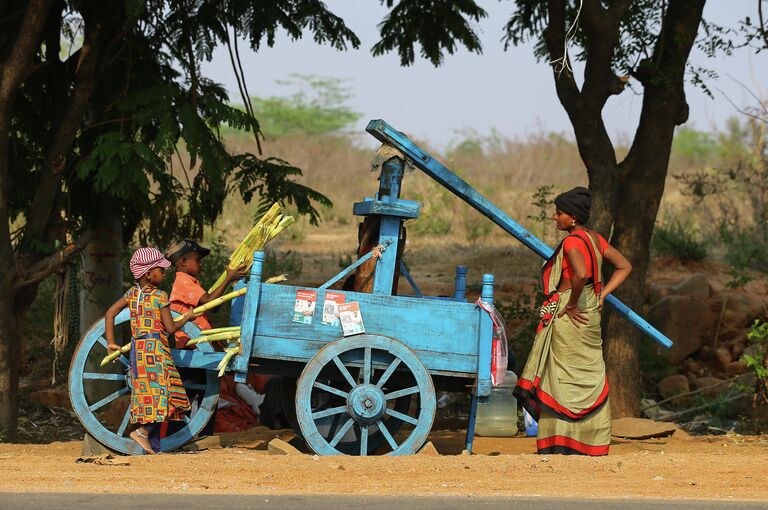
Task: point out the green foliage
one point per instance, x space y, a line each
679 239
435 26
288 263
757 363
745 250
319 107
543 202
696 147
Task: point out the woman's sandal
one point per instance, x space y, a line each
142 440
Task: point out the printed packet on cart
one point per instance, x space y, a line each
351 319
331 307
304 308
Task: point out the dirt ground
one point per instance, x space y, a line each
706 467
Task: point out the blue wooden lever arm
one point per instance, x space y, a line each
459 187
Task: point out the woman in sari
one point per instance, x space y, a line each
564 385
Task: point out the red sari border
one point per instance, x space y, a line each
550 445
530 390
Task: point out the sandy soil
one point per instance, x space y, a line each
722 467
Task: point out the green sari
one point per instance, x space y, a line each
563 385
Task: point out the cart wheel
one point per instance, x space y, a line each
100 396
323 400
386 371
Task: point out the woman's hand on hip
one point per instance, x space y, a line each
600 300
577 316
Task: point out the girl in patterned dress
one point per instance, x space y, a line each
157 392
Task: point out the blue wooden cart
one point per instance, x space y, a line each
372 393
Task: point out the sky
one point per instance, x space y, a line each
506 91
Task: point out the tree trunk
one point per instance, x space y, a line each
10 361
641 185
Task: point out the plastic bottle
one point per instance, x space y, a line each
498 415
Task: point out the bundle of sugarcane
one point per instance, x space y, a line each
266 229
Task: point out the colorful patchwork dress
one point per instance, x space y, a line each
158 394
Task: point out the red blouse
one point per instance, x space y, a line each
572 243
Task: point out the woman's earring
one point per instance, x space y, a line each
573 223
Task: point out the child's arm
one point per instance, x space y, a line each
232 275
109 324
170 325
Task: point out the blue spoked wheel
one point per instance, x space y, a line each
100 396
368 376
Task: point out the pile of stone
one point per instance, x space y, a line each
709 329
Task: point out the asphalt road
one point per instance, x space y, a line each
29 501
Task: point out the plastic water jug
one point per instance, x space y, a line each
498 415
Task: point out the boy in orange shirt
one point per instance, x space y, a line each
187 293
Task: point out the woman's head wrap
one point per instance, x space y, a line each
145 259
575 202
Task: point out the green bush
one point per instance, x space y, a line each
679 239
745 248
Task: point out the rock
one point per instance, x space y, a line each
429 450
674 385
693 366
685 321
741 310
280 447
659 290
691 379
737 349
722 358
735 368
696 287
202 444
639 428
92 448
681 435
707 383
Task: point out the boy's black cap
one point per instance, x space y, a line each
181 248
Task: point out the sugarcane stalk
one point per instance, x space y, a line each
277 279
112 357
219 330
230 353
216 337
216 302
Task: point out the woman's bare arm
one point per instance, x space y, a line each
622 270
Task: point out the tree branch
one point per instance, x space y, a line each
98 27
52 263
554 38
12 73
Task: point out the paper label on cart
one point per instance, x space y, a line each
304 308
351 318
331 307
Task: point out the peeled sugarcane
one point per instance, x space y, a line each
216 337
219 330
112 357
230 352
266 229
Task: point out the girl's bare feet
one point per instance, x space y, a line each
142 438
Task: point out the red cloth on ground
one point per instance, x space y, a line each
572 243
237 417
185 295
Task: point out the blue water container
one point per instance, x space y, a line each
531 427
